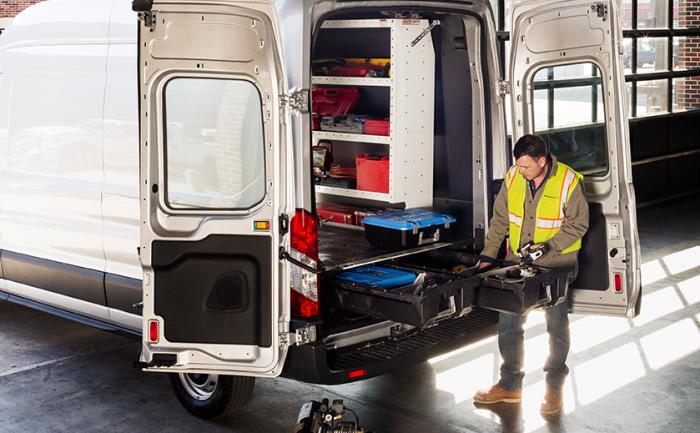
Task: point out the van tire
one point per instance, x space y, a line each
212 396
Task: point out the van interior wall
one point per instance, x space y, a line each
452 181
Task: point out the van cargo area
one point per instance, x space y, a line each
414 75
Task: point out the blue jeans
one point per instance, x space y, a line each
511 345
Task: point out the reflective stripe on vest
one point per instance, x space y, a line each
550 209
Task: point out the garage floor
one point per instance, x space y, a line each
640 375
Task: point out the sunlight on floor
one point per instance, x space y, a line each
657 304
690 289
671 343
613 370
594 330
683 260
465 349
652 272
466 379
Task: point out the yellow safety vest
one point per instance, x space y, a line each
550 209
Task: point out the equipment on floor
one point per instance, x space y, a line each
378 276
322 417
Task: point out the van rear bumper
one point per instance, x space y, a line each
314 363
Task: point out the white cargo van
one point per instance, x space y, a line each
157 176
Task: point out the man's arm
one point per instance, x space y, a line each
498 227
575 221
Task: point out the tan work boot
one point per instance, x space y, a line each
497 395
552 403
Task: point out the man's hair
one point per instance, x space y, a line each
532 146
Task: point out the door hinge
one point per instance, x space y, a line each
297 101
304 335
504 88
601 10
148 18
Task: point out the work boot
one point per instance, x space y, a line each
552 403
497 395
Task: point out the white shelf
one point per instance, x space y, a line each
358 138
352 81
346 192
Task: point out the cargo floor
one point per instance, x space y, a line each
344 248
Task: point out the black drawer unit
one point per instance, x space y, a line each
508 290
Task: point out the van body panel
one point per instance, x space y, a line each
214 185
587 33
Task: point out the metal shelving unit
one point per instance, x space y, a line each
411 89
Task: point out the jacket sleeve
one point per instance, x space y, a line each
498 227
575 221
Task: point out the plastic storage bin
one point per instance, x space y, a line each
377 276
407 228
377 127
372 173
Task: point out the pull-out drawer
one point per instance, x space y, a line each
430 297
512 289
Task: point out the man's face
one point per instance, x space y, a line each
530 167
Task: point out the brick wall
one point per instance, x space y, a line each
10 8
688 89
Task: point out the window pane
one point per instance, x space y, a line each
214 144
652 14
494 8
627 55
685 14
652 55
626 14
652 97
686 93
507 5
686 52
572 120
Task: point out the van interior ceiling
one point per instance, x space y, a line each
451 122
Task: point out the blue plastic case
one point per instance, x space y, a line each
377 276
407 228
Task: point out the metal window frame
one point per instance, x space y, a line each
633 34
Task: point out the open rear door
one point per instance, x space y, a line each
567 85
213 187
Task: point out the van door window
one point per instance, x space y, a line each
214 145
569 115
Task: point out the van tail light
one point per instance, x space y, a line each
618 287
304 243
153 331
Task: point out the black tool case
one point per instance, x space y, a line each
519 294
436 292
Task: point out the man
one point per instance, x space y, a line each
541 201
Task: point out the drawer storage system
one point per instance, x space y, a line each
438 291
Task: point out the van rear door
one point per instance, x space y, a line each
566 80
213 187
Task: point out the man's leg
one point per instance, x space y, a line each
557 318
511 344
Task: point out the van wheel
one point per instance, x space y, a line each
211 395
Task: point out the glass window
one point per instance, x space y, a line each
686 93
214 146
652 97
652 14
686 52
652 55
628 90
627 55
569 114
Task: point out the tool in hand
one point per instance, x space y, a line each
530 252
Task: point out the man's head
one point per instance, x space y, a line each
531 156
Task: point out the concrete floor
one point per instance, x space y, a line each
640 375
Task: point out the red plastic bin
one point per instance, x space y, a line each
377 127
333 101
372 173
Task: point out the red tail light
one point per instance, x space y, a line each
357 373
304 242
618 282
153 331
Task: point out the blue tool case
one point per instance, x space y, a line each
377 276
407 228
